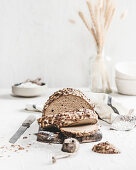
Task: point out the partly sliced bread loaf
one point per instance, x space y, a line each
66 100
71 118
78 131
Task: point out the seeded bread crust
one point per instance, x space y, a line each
71 118
66 92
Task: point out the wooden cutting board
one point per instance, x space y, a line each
56 137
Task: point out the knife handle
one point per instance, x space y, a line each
29 121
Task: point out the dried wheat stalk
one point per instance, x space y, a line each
101 16
88 27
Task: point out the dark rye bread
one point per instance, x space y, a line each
71 118
65 100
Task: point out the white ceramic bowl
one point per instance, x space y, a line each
127 87
126 70
28 92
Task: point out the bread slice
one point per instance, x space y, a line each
65 100
105 148
79 131
71 118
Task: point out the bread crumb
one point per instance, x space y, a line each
20 148
25 137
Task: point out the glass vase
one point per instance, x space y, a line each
100 76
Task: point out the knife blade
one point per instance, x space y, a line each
25 125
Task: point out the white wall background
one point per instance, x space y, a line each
37 39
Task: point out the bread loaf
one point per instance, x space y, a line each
65 100
68 113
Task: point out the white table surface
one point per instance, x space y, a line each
38 157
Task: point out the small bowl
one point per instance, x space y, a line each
126 70
126 86
28 92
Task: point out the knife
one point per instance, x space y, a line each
26 124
